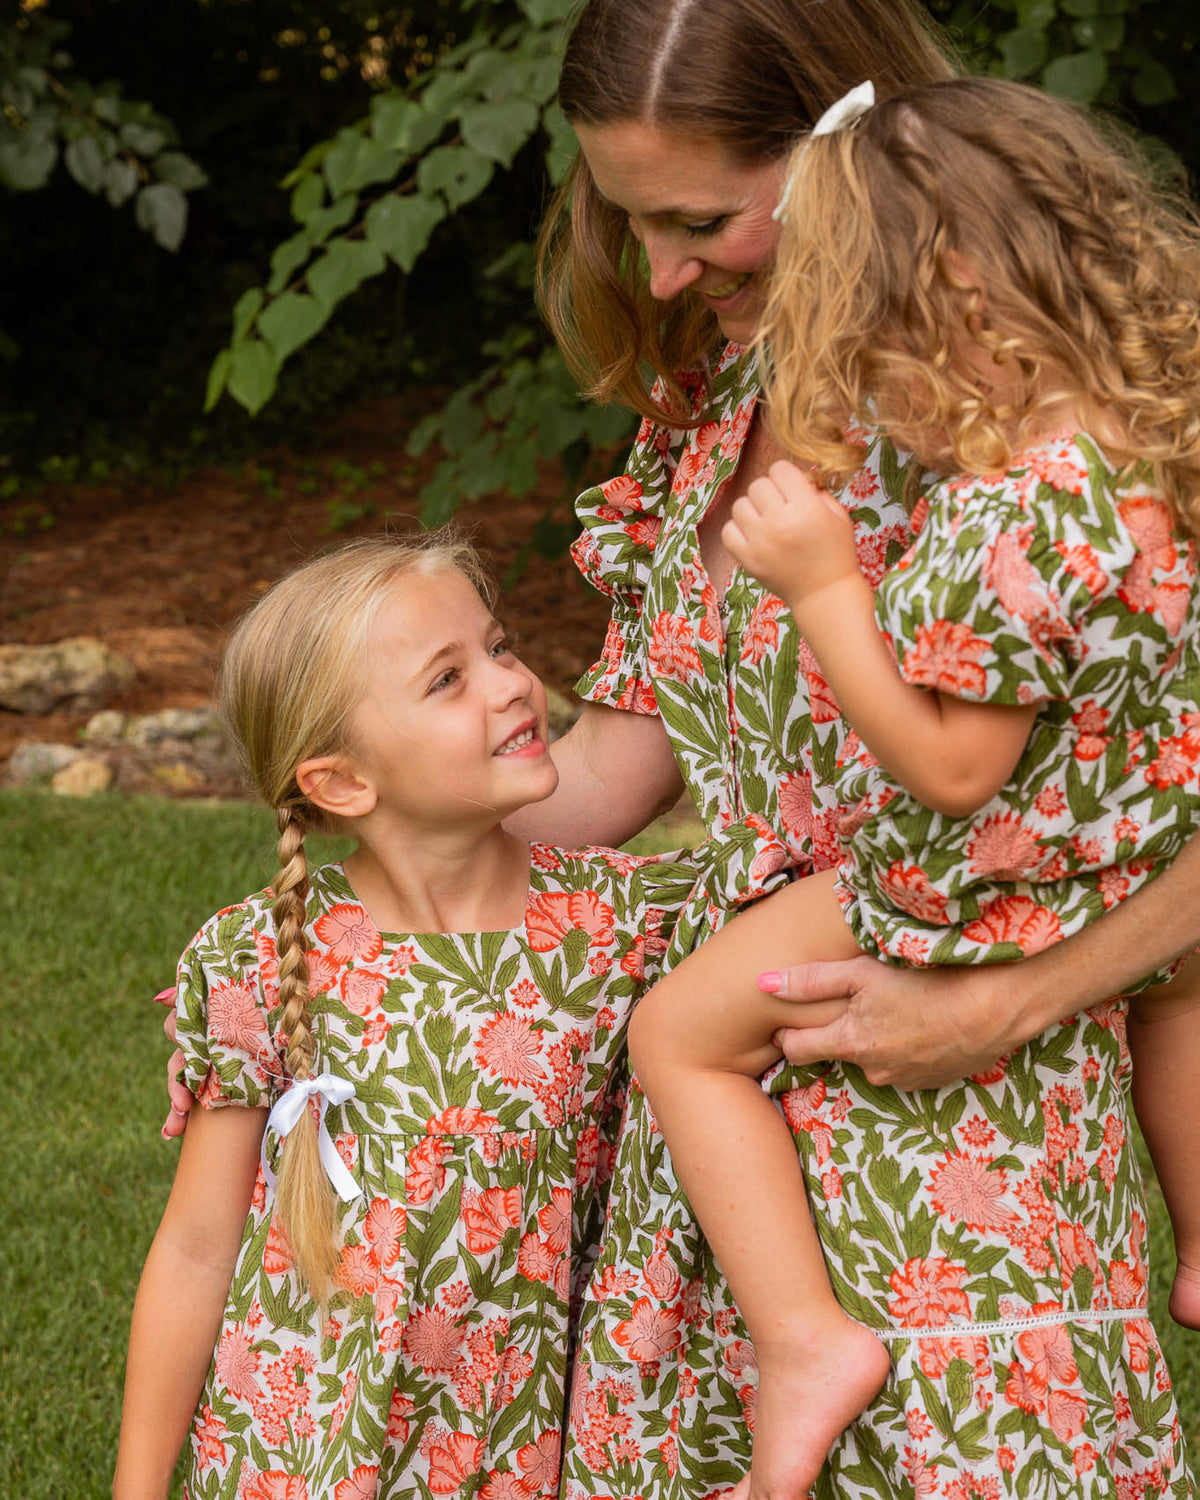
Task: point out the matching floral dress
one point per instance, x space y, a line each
992 1233
486 1072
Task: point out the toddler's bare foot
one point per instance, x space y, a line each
1184 1305
807 1396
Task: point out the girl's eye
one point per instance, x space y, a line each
444 680
501 647
709 227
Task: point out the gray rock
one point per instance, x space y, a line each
71 675
106 728
33 762
83 777
180 725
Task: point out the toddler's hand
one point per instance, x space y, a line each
791 535
179 1096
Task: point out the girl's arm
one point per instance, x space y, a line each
181 1295
617 772
950 754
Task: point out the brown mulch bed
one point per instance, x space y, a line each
159 576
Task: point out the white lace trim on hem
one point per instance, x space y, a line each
1010 1325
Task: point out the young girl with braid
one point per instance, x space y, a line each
361 1283
977 269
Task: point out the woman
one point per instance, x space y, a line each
684 113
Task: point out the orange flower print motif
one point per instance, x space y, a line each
928 1292
510 1048
946 656
209 1430
1003 848
908 887
348 933
459 1119
1067 1414
1015 919
425 1170
433 1340
552 914
644 531
1048 1354
1083 561
489 1216
822 705
274 1484
538 1462
555 1220
277 1254
649 1332
1021 590
361 1485
672 653
453 1461
624 492
762 630
1024 1390
1175 763
968 1190
362 990
358 1270
237 1364
1059 465
796 810
235 1017
384 1229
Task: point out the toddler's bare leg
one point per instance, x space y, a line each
699 1042
1164 1037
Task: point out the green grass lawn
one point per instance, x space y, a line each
96 900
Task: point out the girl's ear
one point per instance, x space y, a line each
331 783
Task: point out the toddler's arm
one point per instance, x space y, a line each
950 754
181 1295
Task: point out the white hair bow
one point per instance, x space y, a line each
849 108
287 1113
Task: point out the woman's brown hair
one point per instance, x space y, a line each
977 226
751 75
289 679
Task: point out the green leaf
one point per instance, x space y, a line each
252 373
545 12
289 321
1035 15
244 312
307 198
144 140
1104 32
457 172
217 376
162 209
1153 84
400 226
499 129
343 269
120 180
26 161
1079 7
326 221
356 161
85 163
1079 76
1023 52
174 166
564 145
287 258
393 117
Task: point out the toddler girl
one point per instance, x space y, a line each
975 268
422 1042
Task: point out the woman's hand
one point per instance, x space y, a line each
179 1096
791 535
907 1028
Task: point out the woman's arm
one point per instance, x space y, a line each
181 1296
952 755
924 1028
617 772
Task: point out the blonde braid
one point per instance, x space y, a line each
305 1201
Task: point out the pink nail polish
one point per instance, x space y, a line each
770 981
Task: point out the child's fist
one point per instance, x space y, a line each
790 535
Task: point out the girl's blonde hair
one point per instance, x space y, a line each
749 75
975 225
289 679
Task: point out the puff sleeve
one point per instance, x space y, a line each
222 1010
991 601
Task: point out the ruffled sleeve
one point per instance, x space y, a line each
622 519
989 602
224 988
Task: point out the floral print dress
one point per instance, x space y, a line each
485 1069
992 1233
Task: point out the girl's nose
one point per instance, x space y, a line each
512 681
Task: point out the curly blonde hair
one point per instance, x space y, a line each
289 679
967 257
749 75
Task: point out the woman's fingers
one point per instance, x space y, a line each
179 1096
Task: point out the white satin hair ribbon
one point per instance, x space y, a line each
286 1115
849 108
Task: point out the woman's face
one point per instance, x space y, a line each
702 215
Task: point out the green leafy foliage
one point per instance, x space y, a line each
109 145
